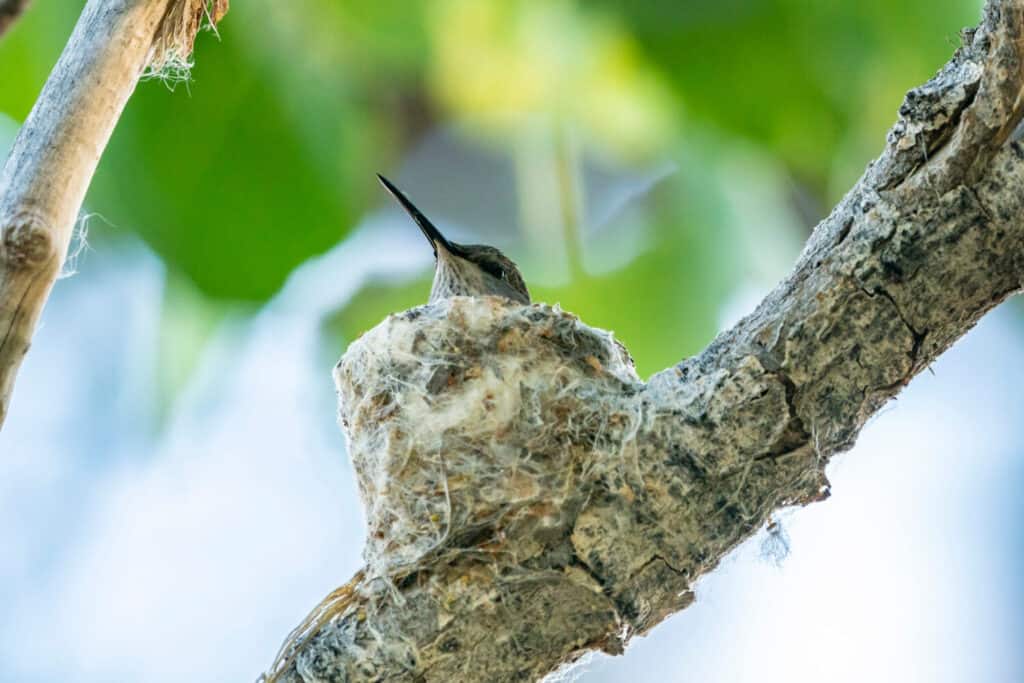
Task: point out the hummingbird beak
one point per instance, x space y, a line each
432 233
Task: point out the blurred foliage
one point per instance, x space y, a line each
797 75
266 156
497 64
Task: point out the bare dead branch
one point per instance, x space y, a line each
53 159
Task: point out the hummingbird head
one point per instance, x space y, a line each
464 269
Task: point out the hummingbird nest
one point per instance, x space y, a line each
525 492
470 422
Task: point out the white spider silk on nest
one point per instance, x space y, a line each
466 418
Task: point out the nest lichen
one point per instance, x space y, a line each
468 422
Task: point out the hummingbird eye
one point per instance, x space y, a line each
493 269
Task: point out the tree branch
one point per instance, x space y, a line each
529 499
45 178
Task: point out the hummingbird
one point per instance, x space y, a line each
464 269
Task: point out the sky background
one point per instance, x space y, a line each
174 491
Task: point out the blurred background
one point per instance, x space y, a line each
174 492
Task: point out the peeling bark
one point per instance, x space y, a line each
929 240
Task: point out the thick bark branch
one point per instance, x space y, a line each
45 178
586 520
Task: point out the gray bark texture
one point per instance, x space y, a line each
52 161
529 499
